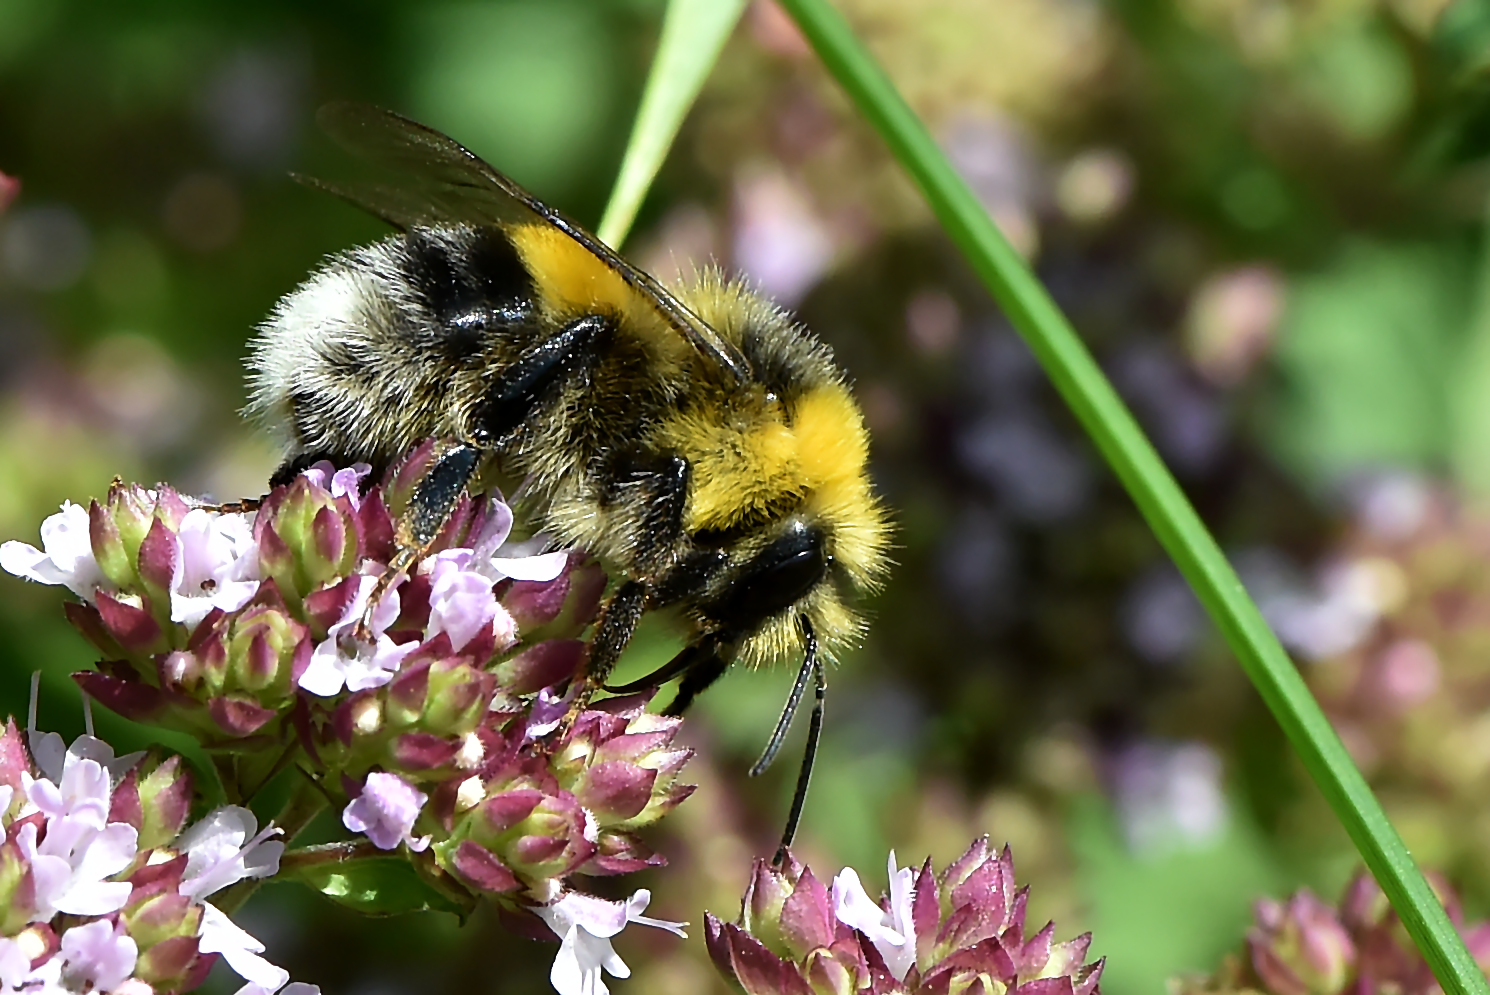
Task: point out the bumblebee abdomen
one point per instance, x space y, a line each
392 342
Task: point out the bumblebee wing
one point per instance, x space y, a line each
403 209
454 186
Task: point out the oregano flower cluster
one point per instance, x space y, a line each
437 727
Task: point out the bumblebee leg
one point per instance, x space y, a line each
239 507
686 659
435 495
521 386
509 401
617 623
810 664
704 672
657 483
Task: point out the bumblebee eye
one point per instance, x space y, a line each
774 579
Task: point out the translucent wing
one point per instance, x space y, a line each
451 185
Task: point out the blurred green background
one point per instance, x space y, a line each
1266 217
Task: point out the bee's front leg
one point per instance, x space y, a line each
429 507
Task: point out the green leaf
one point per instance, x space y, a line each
377 886
1117 435
693 33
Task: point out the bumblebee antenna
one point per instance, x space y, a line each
811 667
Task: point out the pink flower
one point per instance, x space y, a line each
585 925
97 956
332 667
216 565
461 603
81 847
493 556
223 849
386 811
346 482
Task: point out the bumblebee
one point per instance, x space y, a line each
699 442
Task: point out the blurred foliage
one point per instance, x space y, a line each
1267 218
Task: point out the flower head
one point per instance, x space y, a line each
1305 946
961 932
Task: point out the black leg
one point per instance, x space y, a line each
653 487
434 497
686 659
617 623
810 665
704 672
521 386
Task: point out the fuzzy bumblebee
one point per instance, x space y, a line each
701 443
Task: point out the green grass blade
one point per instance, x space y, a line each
1116 433
693 33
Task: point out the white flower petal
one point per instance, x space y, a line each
544 567
220 935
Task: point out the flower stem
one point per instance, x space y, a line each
1112 427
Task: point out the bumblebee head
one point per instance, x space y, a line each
779 485
783 494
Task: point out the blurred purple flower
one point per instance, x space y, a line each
961 932
385 811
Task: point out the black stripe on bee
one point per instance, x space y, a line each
472 281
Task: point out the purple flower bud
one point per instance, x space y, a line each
17 888
131 627
164 924
558 608
165 801
480 868
238 716
1300 947
535 830
746 961
14 760
550 662
622 767
266 651
306 537
619 852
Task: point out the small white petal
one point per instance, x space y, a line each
544 567
220 935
